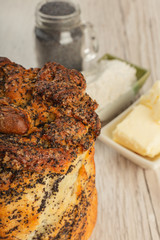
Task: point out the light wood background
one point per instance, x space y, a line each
129 197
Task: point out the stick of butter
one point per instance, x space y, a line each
139 132
152 100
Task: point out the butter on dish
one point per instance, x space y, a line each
140 130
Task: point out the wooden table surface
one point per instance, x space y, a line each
129 197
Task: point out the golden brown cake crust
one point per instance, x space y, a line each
48 127
25 200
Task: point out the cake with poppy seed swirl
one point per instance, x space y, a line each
48 127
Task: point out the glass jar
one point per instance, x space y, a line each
62 37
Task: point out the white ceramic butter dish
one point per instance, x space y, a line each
106 137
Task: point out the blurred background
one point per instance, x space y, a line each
129 207
128 29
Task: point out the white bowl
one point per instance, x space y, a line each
112 109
